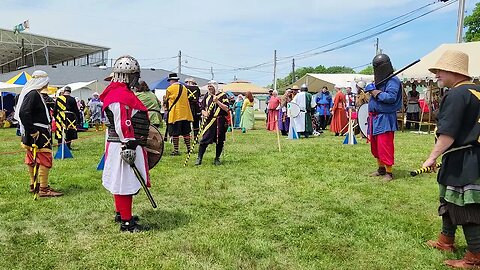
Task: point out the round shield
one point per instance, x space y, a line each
362 118
293 110
154 147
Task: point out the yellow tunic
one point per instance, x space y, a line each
181 109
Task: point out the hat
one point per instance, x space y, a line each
95 94
361 84
190 79
67 89
271 90
452 61
172 76
295 87
109 77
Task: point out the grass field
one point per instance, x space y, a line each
310 206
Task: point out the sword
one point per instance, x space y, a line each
424 170
144 186
36 180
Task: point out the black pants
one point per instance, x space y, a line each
323 121
412 117
471 232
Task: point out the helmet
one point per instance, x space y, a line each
382 67
304 88
361 84
126 69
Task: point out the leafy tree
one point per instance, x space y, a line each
339 69
472 22
367 71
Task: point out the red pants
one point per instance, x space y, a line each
382 147
43 158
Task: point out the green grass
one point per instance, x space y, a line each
310 206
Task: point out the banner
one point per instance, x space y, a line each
21 27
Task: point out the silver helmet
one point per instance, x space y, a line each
127 70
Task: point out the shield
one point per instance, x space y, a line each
362 118
154 147
293 110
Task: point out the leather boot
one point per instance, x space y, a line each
381 171
118 219
217 162
131 226
49 192
444 243
470 261
199 161
31 189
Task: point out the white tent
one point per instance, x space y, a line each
419 72
315 81
84 90
12 88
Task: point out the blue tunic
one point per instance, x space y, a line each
385 106
324 103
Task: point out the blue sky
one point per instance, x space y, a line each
234 34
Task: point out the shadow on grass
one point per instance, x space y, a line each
163 220
74 189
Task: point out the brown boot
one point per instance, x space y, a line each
381 171
444 243
470 261
49 192
31 189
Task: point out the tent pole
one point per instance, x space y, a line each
429 108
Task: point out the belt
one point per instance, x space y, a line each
458 148
41 125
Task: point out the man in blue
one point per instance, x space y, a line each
385 101
324 103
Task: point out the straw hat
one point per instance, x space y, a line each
452 61
295 87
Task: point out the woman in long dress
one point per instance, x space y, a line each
238 111
339 119
273 107
248 116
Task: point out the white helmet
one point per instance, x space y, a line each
126 69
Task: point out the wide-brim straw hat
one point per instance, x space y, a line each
452 61
295 87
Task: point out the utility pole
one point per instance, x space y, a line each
211 71
179 62
275 70
377 51
294 77
461 14
234 78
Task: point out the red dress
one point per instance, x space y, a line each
339 119
273 113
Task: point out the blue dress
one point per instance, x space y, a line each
238 113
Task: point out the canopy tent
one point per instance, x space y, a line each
160 84
21 79
419 72
316 81
84 90
8 92
240 87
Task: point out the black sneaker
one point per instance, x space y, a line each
217 162
175 153
118 218
131 226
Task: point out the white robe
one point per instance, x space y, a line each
118 177
299 121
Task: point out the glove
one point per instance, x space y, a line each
128 155
132 144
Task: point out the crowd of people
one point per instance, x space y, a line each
126 105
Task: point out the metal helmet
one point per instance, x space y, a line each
304 88
127 70
382 67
